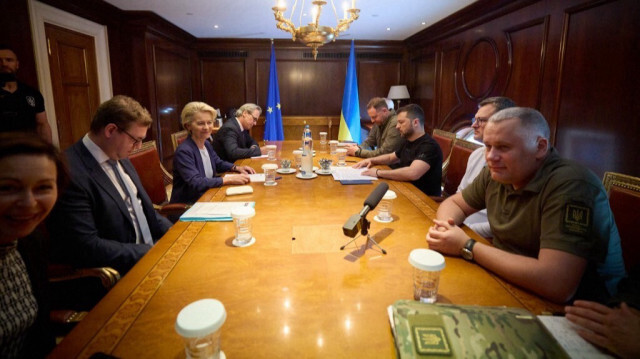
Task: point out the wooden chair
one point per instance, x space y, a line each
457 165
155 179
445 140
624 199
179 137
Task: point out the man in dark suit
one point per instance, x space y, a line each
233 141
105 217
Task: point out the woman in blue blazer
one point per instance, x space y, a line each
195 163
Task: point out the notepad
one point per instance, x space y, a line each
239 190
212 211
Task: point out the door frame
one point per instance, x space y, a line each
40 13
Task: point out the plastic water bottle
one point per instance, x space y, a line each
307 152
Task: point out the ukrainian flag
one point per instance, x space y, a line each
273 124
350 115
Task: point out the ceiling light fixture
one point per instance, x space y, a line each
314 35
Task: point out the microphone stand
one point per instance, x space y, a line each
364 230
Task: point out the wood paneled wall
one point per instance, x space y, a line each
574 60
236 71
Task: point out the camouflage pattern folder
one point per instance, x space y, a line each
459 331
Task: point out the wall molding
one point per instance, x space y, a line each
39 14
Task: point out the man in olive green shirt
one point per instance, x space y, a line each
383 137
554 232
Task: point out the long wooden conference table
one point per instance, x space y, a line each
292 294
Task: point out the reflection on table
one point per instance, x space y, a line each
293 293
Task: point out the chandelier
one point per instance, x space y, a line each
314 35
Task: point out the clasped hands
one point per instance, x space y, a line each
446 237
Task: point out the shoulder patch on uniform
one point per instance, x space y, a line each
577 218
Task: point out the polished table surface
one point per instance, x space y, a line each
293 293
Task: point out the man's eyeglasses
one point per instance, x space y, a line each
136 141
255 119
479 120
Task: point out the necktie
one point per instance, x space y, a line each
137 208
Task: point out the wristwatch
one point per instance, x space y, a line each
467 251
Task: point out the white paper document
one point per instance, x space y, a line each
572 343
261 156
349 173
212 211
255 177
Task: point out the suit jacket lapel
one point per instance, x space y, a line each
95 172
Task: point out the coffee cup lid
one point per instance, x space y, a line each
333 141
270 146
269 166
323 133
426 259
243 212
200 318
389 195
341 150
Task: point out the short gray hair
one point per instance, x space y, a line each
531 119
248 107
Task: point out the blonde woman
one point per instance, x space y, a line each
196 164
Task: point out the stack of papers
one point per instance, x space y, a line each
350 174
212 211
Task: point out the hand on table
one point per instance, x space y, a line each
363 163
236 179
446 237
245 169
351 150
616 329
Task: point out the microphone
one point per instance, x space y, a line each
374 198
354 223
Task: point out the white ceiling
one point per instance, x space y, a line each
255 19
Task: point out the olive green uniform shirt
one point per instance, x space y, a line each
564 207
385 138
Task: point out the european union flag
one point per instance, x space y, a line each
350 115
273 124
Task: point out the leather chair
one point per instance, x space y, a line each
155 179
457 165
445 140
624 199
178 137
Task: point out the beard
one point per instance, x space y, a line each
407 134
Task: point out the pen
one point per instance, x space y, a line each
279 177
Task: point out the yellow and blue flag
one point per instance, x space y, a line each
273 124
350 115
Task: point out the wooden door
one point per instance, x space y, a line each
74 78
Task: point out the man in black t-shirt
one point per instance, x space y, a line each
21 106
419 160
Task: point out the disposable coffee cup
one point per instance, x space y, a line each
342 156
242 218
298 156
427 265
385 206
323 141
333 146
199 325
270 174
271 152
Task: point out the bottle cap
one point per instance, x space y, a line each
200 318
